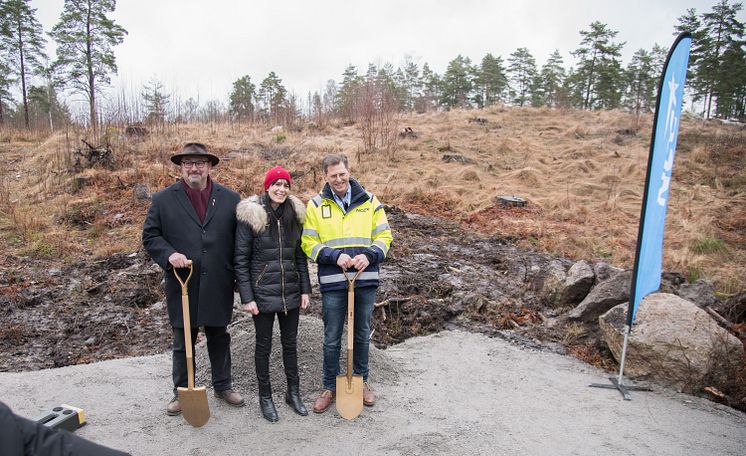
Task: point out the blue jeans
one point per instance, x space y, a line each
333 312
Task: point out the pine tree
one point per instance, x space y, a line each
431 89
412 83
610 84
43 102
347 93
714 62
457 83
156 102
641 79
658 54
6 99
536 91
85 37
289 111
242 99
522 71
691 23
731 84
316 106
491 80
273 96
551 79
44 107
22 39
573 89
390 83
598 68
723 58
371 72
402 91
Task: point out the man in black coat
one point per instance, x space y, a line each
195 220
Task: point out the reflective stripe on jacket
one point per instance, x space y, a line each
329 231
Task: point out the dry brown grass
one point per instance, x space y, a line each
582 173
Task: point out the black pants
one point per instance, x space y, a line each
263 323
219 349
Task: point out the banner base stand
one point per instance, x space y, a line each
624 389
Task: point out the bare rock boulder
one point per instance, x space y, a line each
552 283
603 297
701 293
578 283
673 341
605 271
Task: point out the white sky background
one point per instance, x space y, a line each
198 48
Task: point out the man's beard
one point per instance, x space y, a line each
194 179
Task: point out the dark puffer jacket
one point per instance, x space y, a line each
270 265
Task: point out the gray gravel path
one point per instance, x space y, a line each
449 393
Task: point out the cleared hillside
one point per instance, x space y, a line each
581 172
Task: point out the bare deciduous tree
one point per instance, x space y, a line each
376 112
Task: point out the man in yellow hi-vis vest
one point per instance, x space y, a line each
345 229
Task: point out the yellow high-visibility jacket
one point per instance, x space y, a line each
329 231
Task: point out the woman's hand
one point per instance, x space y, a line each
251 308
305 301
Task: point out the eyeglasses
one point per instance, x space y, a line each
200 164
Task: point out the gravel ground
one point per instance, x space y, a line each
310 359
453 392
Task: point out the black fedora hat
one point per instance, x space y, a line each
194 149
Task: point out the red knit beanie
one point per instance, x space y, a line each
278 172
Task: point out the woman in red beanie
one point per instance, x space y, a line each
272 275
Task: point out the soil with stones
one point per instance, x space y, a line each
436 275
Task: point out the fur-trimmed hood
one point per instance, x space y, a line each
252 212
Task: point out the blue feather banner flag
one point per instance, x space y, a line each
646 276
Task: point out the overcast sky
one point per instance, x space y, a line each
198 48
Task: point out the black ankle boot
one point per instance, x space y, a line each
267 404
292 397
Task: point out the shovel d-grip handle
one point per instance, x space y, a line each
184 282
350 322
187 324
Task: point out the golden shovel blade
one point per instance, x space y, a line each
194 405
349 396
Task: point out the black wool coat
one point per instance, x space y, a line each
271 267
172 225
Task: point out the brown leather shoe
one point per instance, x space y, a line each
173 408
231 397
324 400
369 398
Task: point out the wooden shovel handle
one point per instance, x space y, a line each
188 341
187 325
184 283
350 321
